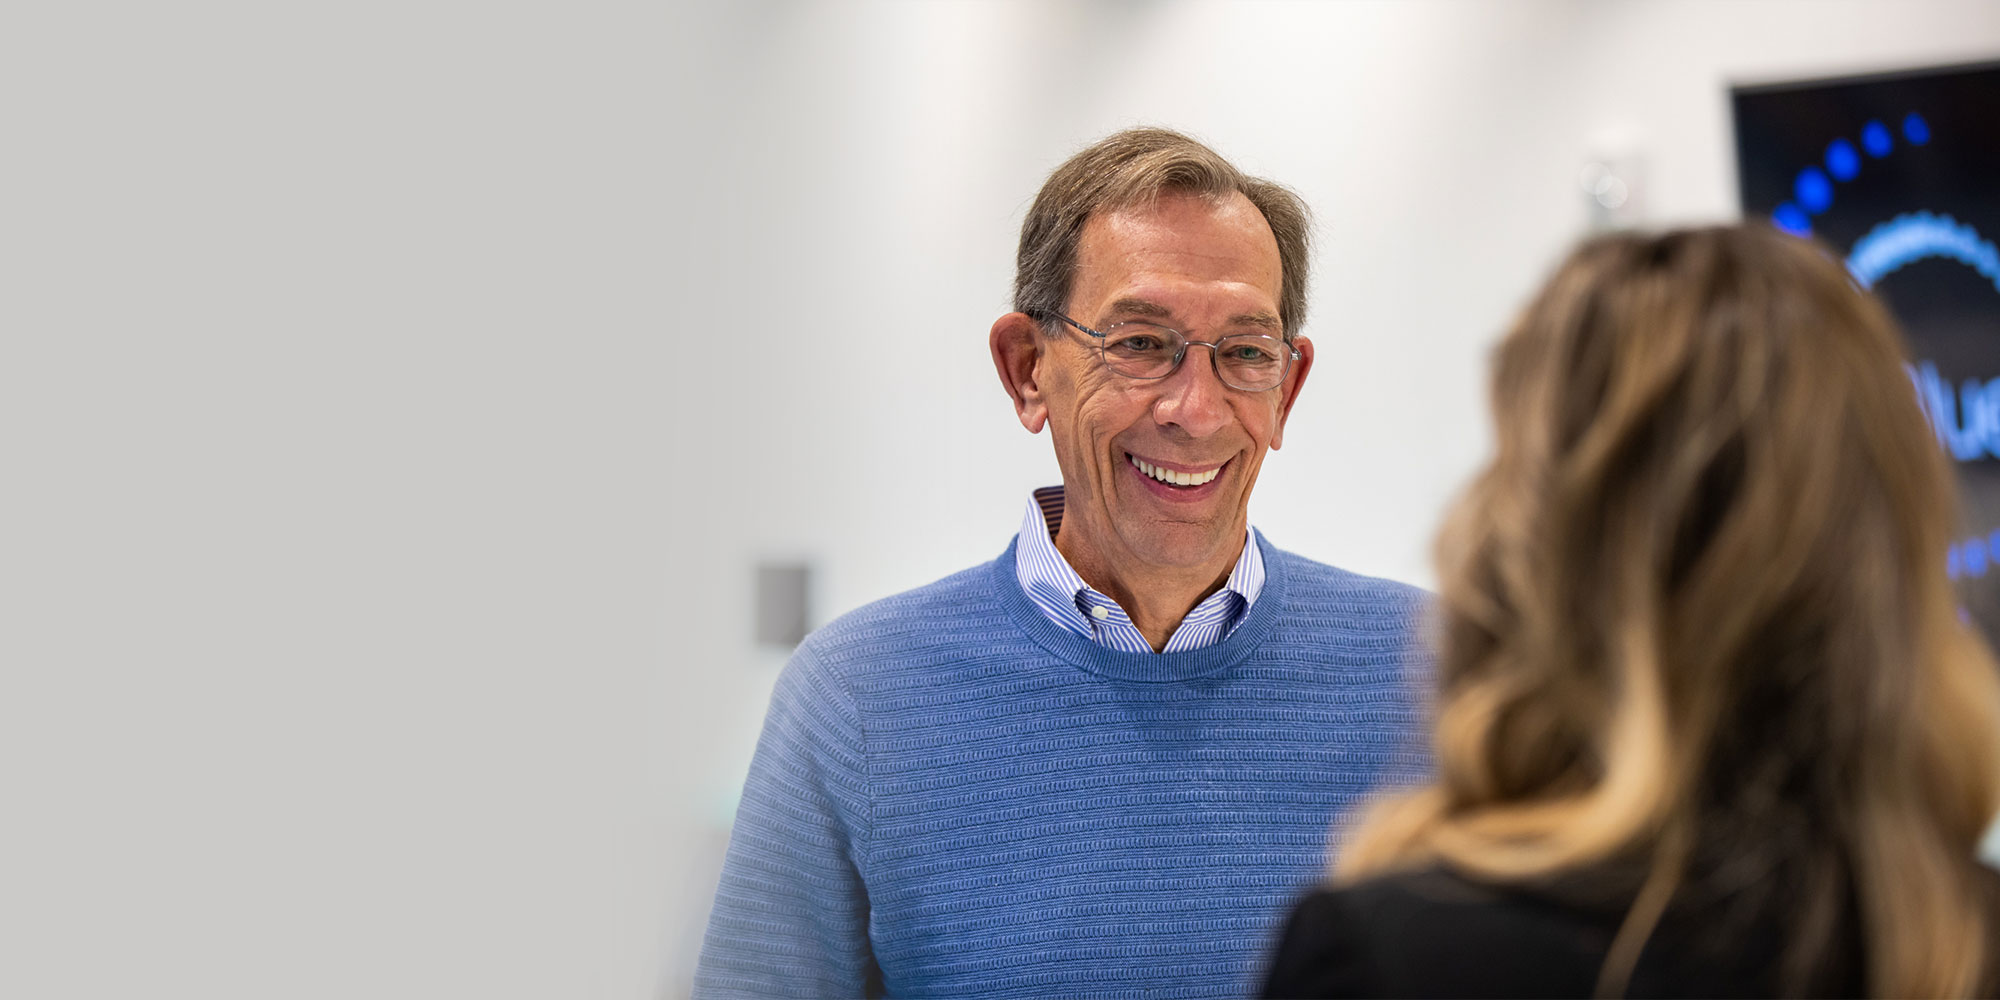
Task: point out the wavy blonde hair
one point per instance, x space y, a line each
1696 609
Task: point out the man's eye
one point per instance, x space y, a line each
1140 344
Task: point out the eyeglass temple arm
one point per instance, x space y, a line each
1045 314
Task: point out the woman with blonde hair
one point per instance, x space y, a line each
1708 721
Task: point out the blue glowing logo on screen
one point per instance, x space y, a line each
1966 418
1967 421
1813 188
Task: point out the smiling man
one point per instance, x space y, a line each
1107 761
1157 456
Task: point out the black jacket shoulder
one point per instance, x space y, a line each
1433 933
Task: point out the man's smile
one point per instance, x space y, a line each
1175 477
1175 482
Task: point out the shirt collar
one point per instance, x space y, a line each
1054 587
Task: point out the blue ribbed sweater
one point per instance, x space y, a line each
953 797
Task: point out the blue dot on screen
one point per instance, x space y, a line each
1843 161
1813 191
1876 140
1916 129
1792 219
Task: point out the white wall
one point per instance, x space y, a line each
379 525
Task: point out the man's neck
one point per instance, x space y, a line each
1156 599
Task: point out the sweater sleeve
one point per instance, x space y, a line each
791 913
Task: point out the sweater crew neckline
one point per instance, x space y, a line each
1258 621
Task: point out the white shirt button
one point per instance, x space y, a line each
1100 612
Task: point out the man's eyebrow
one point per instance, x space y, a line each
1154 310
1139 307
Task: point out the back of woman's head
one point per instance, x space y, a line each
1696 609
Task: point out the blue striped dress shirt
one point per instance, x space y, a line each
1053 586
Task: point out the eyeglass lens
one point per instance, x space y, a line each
1246 361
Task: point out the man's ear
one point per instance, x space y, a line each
1016 342
1294 381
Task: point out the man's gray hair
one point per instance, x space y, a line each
1133 167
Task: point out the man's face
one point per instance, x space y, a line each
1208 269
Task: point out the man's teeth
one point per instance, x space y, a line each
1176 478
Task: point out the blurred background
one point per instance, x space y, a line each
415 413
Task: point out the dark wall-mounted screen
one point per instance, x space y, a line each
1900 173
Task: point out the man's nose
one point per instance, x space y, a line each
1193 398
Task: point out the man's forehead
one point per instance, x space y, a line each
1182 231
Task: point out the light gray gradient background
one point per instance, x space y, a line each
382 493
